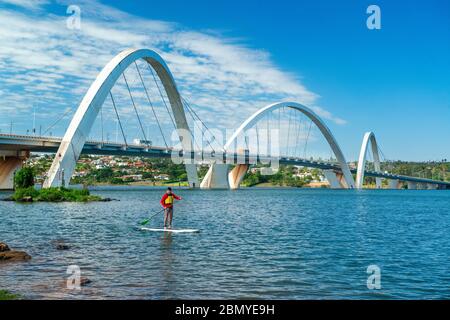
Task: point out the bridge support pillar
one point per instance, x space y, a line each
9 164
412 185
191 171
216 177
236 175
335 179
378 183
394 184
432 186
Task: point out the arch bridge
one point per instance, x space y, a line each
179 115
76 135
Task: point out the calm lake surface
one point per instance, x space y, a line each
254 243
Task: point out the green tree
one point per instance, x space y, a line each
250 179
24 178
116 180
104 175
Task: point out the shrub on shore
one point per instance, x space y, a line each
62 194
24 178
24 193
6 295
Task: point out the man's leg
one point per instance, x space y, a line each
170 214
166 216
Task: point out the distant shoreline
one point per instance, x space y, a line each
185 184
313 185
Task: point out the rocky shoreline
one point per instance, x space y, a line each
30 199
8 255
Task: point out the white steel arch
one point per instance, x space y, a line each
368 137
254 118
73 141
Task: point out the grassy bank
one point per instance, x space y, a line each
6 295
274 185
145 184
31 194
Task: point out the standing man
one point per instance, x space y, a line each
167 203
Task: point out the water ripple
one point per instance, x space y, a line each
268 243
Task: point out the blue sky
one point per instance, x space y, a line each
394 81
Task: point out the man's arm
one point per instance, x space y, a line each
176 197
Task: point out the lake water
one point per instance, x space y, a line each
254 243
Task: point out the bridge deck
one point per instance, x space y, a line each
30 143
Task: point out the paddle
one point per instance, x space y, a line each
144 222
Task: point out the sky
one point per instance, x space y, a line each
231 58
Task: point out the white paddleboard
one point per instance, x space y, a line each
170 230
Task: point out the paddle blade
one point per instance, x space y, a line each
143 223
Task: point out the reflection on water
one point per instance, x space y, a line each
168 260
166 240
257 243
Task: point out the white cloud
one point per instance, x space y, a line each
27 4
45 64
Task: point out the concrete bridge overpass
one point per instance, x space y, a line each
12 144
20 146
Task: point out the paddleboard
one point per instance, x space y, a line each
170 230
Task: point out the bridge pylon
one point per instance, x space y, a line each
10 162
216 177
368 137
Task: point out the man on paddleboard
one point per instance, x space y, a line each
167 201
